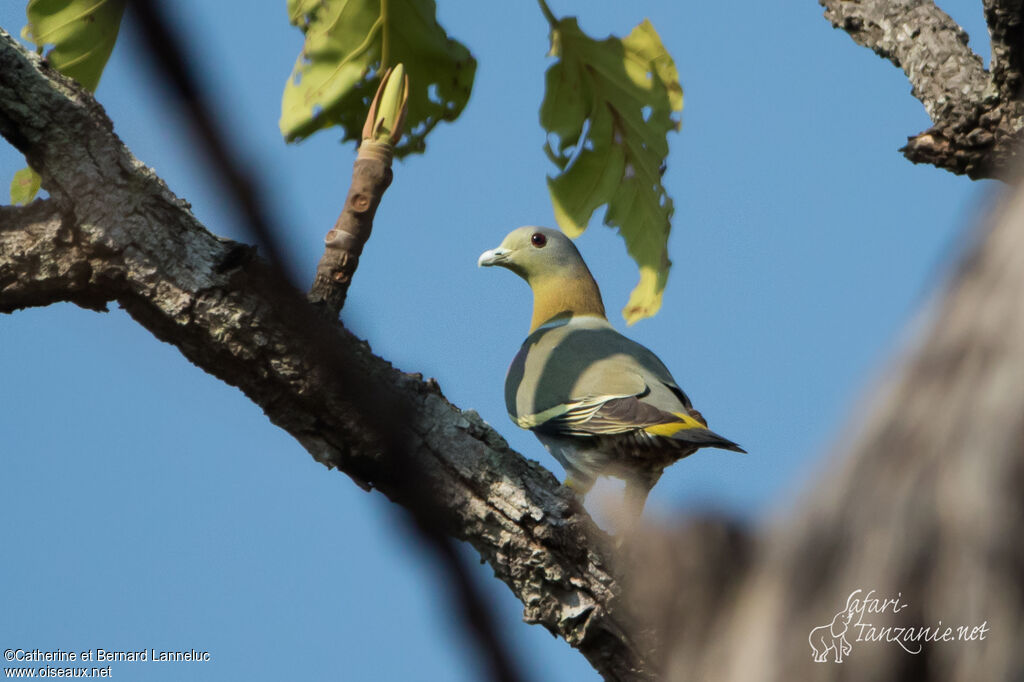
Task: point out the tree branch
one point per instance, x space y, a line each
371 176
114 231
921 39
977 122
1005 19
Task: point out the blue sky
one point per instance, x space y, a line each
147 505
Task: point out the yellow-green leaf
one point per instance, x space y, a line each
608 108
24 186
82 33
349 43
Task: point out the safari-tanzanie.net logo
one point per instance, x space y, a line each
855 623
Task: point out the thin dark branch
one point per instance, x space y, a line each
380 412
477 617
169 57
548 14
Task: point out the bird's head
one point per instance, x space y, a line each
535 253
552 266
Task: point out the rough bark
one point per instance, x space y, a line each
1005 19
113 231
977 116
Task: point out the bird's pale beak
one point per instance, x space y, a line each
493 257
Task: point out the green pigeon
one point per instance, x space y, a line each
600 403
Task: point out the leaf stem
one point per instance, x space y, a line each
548 14
385 47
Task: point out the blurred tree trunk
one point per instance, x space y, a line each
926 505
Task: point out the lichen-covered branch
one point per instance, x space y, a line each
114 232
921 39
977 117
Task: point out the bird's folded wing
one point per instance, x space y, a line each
593 382
611 415
563 416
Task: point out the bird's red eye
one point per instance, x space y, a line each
538 239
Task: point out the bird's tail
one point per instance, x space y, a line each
706 438
693 430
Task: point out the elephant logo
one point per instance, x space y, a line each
832 637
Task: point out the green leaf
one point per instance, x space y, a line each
610 105
82 32
349 43
24 186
